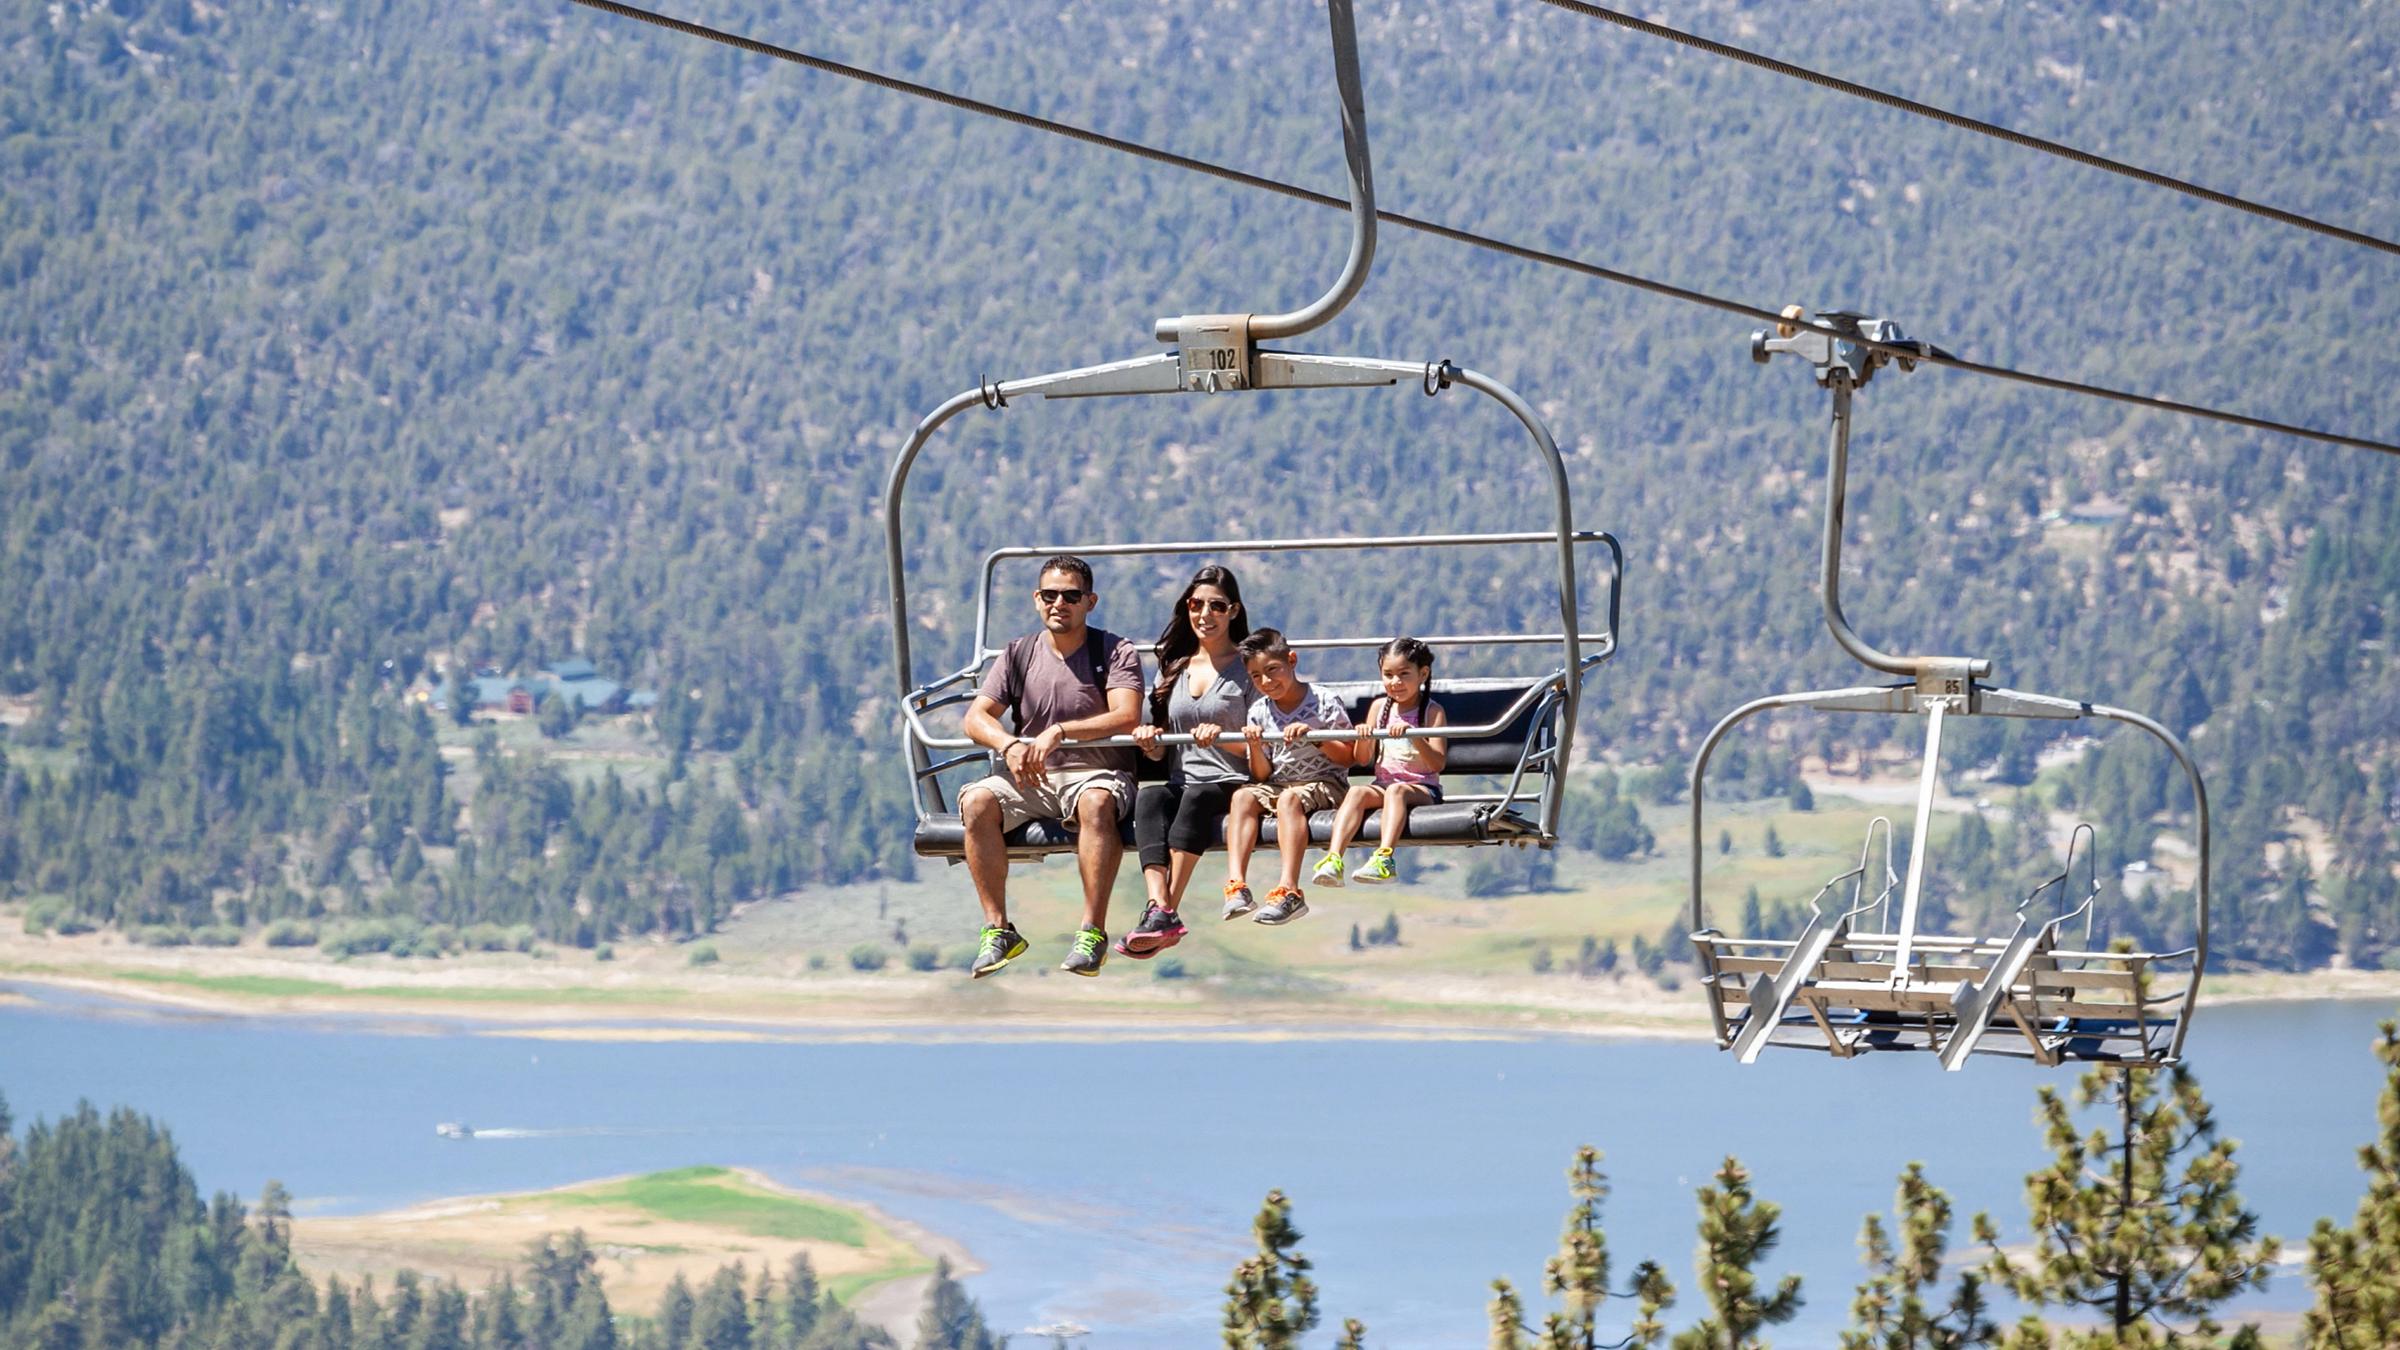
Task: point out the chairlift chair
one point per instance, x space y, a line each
1514 729
1855 980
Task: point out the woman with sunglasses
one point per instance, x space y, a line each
1202 689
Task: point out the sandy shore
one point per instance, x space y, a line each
655 996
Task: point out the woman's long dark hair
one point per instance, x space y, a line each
1178 642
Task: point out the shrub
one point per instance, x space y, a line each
1169 968
72 925
703 954
161 935
291 933
604 952
491 937
43 913
1541 960
924 958
355 937
816 960
218 935
866 956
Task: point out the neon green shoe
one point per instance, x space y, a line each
1329 871
1378 869
1090 952
999 947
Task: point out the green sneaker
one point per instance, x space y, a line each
1000 946
1329 871
1091 950
1378 869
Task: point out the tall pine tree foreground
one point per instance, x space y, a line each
1271 1301
1892 1310
2136 1222
1578 1276
2357 1269
1737 1231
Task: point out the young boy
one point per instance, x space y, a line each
1289 776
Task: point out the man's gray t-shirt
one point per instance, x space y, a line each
1227 700
1064 689
1304 762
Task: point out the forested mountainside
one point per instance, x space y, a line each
347 336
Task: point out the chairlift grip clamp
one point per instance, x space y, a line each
1843 350
1215 351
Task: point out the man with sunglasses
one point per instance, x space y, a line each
1068 682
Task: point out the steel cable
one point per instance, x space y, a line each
1962 122
1544 257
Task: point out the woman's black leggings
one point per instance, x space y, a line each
1179 816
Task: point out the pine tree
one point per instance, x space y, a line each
1578 1273
1890 1312
1507 1318
2357 1269
1271 1301
721 1317
1354 1335
951 1320
2118 1229
1737 1231
675 1310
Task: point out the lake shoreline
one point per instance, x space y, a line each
479 1237
532 998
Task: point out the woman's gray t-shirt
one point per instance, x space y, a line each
1225 703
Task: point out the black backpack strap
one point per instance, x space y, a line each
1014 656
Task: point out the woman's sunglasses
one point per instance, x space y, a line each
1202 605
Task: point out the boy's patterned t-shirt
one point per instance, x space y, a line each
1305 762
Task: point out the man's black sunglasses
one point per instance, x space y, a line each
1071 595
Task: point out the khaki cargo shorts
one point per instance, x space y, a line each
1317 795
1054 797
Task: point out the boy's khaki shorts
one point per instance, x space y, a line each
1054 797
1317 795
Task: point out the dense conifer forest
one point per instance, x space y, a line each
346 341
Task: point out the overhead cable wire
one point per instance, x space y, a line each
1944 116
1544 257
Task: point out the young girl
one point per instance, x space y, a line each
1407 771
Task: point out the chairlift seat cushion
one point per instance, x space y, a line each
945 835
1466 702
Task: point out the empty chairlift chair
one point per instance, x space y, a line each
1857 978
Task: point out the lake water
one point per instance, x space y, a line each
1113 1184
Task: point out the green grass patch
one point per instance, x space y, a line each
279 986
847 1287
720 1199
256 986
